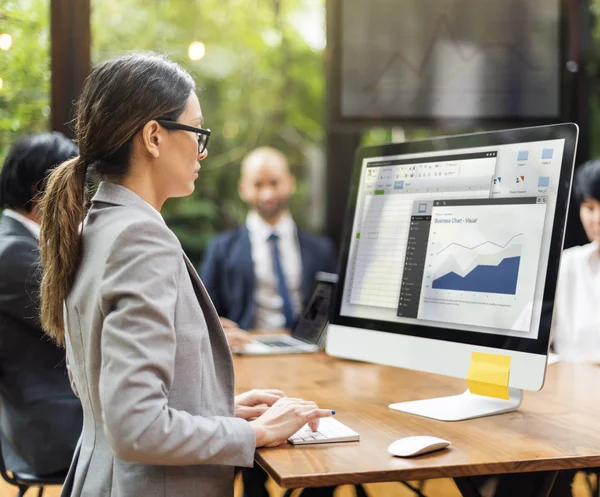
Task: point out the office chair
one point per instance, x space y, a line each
24 481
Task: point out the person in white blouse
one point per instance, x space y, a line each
576 321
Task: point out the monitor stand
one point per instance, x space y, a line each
460 407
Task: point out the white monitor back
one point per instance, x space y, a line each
431 356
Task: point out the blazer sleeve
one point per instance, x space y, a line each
211 275
139 290
20 282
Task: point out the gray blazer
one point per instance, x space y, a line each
148 358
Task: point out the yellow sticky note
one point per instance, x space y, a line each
488 375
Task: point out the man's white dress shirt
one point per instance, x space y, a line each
269 304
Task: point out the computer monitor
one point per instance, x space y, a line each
452 247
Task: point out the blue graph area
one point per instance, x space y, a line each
485 279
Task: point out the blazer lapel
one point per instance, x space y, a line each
244 256
210 313
247 265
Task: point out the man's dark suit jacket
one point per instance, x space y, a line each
228 272
40 417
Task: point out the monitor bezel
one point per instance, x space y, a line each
568 132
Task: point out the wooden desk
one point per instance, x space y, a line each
556 428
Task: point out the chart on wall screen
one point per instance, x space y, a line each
450 58
481 263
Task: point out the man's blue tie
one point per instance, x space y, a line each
284 292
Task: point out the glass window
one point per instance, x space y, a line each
24 69
260 77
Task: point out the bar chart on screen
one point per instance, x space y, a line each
384 234
481 263
490 267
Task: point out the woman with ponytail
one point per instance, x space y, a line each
145 348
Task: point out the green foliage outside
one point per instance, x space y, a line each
260 83
24 69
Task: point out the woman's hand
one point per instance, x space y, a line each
284 418
252 404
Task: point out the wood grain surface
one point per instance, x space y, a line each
556 428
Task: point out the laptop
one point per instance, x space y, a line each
309 333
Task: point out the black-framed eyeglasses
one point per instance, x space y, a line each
203 134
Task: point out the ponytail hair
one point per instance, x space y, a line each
63 208
109 113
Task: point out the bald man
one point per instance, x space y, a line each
260 275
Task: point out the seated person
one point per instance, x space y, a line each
260 275
576 322
40 417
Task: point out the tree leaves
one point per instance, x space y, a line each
260 83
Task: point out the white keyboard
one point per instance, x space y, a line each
330 430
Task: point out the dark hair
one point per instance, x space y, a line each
587 181
27 165
118 98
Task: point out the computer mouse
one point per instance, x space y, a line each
415 446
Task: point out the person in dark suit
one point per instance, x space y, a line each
260 275
40 417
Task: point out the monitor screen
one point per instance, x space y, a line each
458 238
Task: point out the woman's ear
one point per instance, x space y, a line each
152 138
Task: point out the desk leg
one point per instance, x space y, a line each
538 484
288 492
467 487
547 482
415 490
360 491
